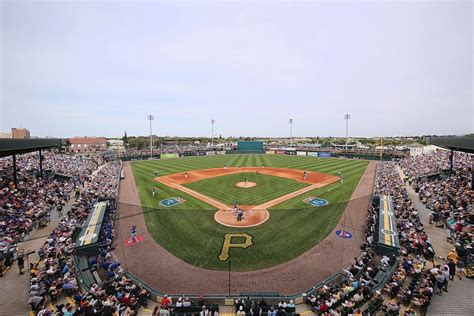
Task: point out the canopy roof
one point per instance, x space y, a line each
458 143
9 147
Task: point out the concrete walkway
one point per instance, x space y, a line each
460 298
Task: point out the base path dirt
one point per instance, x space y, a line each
162 270
224 215
196 175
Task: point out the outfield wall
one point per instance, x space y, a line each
320 154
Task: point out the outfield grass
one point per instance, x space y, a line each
189 231
268 188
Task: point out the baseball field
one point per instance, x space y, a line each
182 221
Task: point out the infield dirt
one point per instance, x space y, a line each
256 215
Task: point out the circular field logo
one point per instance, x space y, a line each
316 201
343 233
88 237
388 232
171 201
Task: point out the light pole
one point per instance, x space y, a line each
151 118
347 117
212 129
291 131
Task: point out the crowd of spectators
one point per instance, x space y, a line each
246 306
347 297
117 293
69 165
448 196
434 162
105 182
412 235
36 197
415 252
54 274
30 203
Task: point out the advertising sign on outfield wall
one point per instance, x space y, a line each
166 156
279 152
270 152
189 153
313 154
200 153
210 153
301 153
324 154
220 152
290 152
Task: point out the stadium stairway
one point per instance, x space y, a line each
304 310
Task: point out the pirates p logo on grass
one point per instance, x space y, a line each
227 244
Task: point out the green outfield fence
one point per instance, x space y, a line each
319 153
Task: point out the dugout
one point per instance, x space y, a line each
388 242
87 241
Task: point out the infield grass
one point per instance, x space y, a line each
189 231
223 188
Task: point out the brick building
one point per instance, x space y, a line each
87 144
20 133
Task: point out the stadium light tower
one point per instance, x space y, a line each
151 118
291 131
347 117
212 130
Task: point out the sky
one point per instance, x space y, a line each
76 68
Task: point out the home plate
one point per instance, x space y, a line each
129 242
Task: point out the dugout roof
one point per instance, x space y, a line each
9 147
458 143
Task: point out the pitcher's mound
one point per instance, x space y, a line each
245 185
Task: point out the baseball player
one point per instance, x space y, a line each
134 234
185 175
240 215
